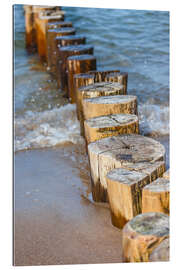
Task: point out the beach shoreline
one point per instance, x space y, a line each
56 222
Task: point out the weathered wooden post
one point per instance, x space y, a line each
80 80
94 107
77 64
92 91
143 234
51 45
117 152
100 74
161 252
124 187
57 24
31 45
63 41
41 24
120 77
69 40
63 54
110 125
155 197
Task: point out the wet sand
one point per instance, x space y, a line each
55 221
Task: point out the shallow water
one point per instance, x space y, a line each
129 40
56 220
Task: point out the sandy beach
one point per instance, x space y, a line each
56 222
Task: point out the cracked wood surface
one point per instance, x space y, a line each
117 152
143 234
110 125
155 196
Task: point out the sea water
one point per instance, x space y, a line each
134 41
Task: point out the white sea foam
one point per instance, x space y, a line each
154 119
47 128
60 125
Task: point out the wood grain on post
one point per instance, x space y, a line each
110 125
167 174
94 107
51 45
92 91
117 152
153 170
100 74
161 252
41 26
155 197
70 40
63 54
120 77
80 80
124 187
57 24
67 41
124 193
30 33
143 234
77 64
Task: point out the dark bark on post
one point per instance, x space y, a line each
77 64
51 45
63 54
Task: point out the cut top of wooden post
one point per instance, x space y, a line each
129 149
114 120
100 74
159 185
104 105
125 176
70 39
154 170
142 234
76 48
50 16
62 30
58 24
150 224
118 151
101 89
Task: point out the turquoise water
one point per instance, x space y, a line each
133 41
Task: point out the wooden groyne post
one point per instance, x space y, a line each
77 64
63 54
143 234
